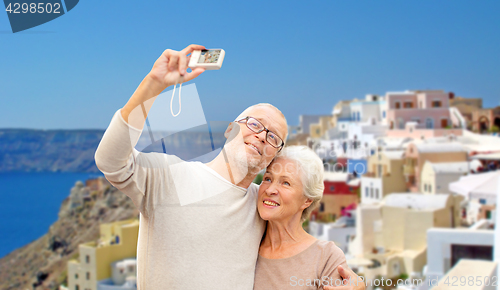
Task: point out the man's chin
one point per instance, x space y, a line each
245 160
251 163
255 170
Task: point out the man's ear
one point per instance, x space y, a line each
229 129
233 129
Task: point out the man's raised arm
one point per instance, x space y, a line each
115 156
169 69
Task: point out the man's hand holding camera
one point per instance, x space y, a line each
170 68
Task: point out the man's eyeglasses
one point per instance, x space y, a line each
257 127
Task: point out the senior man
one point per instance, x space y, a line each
212 240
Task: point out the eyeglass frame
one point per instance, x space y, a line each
280 147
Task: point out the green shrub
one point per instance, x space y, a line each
258 179
494 129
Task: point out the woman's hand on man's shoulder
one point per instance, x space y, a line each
351 281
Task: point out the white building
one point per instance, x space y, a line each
123 276
387 179
480 192
393 234
341 232
373 109
359 141
464 252
445 247
436 177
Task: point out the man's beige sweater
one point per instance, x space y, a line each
197 230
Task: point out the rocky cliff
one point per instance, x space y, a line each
42 264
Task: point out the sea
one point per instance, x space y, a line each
29 204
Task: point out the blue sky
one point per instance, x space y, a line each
302 56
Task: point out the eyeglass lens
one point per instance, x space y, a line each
257 127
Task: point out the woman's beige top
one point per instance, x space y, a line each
309 269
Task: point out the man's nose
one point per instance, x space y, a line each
261 136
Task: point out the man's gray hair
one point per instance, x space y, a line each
245 113
311 170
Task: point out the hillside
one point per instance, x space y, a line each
44 260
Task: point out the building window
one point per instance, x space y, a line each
429 123
366 191
444 123
383 114
77 287
401 123
408 105
425 187
332 188
87 259
359 116
76 276
397 105
376 193
371 192
88 275
482 201
430 188
321 207
436 104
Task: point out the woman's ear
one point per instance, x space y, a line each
307 203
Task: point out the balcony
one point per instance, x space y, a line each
374 175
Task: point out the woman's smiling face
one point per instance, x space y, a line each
281 195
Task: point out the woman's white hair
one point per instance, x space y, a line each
311 172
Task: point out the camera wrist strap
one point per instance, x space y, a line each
172 100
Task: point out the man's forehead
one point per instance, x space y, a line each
270 117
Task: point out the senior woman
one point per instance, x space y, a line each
289 257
